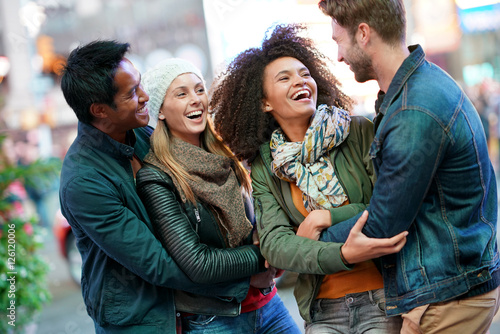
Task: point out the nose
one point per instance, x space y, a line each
195 99
143 96
340 57
299 80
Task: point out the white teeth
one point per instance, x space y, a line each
303 91
194 114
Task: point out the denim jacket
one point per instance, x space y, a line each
435 180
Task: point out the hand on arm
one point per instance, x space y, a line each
358 247
314 224
265 279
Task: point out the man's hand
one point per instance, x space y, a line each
315 222
265 279
358 247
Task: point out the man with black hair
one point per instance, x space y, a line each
127 276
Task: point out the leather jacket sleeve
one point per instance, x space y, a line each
201 263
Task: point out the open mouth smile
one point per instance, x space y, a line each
301 95
195 114
143 109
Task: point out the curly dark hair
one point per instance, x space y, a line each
237 94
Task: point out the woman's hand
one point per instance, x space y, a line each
315 222
358 247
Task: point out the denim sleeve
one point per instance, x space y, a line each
407 151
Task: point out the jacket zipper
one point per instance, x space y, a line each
259 220
198 219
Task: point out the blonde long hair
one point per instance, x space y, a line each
161 145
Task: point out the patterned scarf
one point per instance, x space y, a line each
307 163
214 183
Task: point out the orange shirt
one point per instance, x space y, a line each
363 277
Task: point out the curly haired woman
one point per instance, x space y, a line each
280 107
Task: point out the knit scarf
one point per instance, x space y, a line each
214 183
307 163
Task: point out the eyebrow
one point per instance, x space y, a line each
288 71
200 83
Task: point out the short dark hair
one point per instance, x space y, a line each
236 101
386 17
88 76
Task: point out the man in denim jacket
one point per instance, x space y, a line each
434 176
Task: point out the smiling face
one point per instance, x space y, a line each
350 53
185 108
129 110
290 92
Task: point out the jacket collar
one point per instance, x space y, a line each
410 64
101 141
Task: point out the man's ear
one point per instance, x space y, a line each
98 110
363 34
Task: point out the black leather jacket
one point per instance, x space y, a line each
192 237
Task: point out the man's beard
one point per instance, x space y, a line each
361 65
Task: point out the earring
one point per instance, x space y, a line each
161 117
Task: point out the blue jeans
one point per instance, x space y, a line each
355 313
271 318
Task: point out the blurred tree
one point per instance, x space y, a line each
23 272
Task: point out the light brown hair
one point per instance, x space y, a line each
386 17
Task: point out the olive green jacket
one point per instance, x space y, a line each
278 219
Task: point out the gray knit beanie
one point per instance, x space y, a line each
157 80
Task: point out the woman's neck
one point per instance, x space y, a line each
295 132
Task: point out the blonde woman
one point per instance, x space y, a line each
196 194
